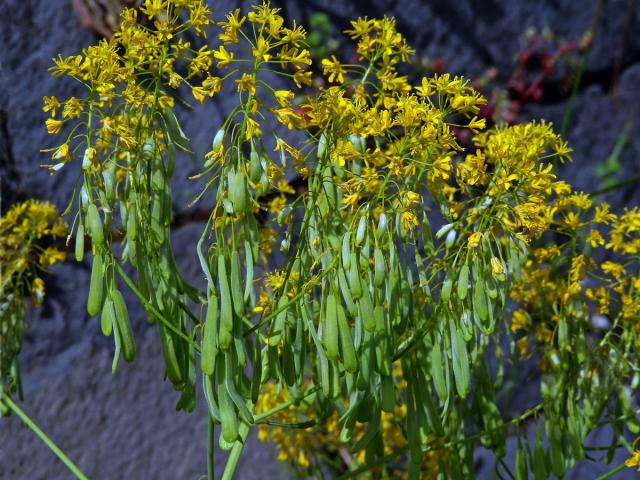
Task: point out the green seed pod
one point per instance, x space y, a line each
96 229
96 286
367 315
378 314
387 394
379 268
171 363
381 231
79 250
322 145
157 180
124 326
479 300
346 293
346 250
460 360
450 240
463 282
330 333
442 231
361 230
210 337
108 316
132 222
437 371
238 193
228 415
229 381
236 293
217 140
226 306
258 368
355 283
255 167
447 285
349 358
248 279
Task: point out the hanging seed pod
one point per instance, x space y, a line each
346 251
460 360
255 167
463 281
330 333
228 415
365 309
210 337
107 318
361 230
226 306
169 349
379 268
79 245
236 293
354 277
96 229
322 146
96 286
217 141
124 326
238 192
387 394
346 293
248 278
349 358
381 230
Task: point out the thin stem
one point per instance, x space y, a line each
151 309
43 436
611 472
616 186
210 449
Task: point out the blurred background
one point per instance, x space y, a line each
575 63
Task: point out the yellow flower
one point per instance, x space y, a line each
497 268
595 238
408 220
223 56
519 320
50 103
231 27
51 256
333 68
633 460
72 108
474 239
62 152
246 84
54 126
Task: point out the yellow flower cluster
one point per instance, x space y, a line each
551 288
23 229
300 447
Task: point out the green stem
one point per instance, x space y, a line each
151 309
236 451
43 436
611 472
210 449
616 186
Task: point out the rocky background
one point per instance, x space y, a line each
126 426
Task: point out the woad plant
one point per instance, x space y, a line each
369 286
